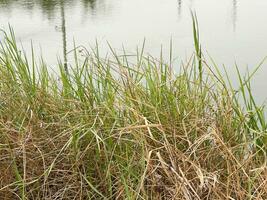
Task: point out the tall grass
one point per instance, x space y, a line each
113 129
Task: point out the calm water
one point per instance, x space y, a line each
232 31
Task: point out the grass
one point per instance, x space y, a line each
112 128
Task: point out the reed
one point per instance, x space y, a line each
115 128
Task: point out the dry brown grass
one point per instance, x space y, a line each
112 130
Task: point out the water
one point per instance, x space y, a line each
232 31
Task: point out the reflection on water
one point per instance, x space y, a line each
51 7
64 35
179 8
233 31
234 17
48 7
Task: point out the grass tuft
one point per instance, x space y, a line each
124 128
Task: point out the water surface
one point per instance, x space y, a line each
232 31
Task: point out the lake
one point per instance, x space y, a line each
232 31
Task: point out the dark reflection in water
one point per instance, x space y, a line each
179 9
51 7
48 7
89 3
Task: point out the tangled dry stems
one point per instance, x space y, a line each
109 131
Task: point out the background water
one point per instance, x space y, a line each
232 31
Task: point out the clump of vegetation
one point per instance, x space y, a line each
120 128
